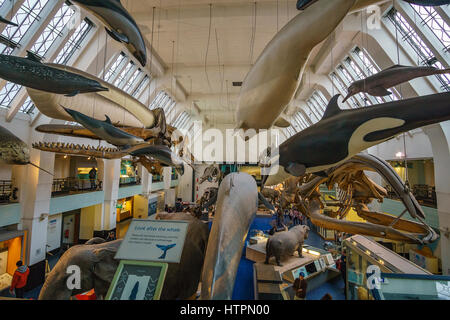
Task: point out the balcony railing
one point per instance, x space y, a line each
74 185
129 181
425 194
8 193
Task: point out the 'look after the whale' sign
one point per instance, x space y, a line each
153 240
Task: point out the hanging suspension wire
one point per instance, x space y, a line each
401 96
207 47
252 41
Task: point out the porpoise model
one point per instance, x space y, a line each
14 151
377 84
3 20
341 134
105 130
119 25
31 72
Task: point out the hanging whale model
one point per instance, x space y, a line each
31 72
163 154
272 81
341 134
377 84
3 20
119 25
105 130
14 151
304 4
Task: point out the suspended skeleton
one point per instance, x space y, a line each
356 191
212 173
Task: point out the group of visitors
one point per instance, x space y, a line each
289 216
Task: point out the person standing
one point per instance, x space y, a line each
20 279
93 177
300 287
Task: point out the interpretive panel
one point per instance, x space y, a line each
153 240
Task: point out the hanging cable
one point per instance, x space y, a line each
151 56
252 41
207 47
401 95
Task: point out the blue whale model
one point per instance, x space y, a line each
119 25
30 72
341 134
105 130
165 249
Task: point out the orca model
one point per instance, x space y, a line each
377 84
341 134
105 130
165 249
31 72
119 25
3 20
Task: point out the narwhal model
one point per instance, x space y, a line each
377 84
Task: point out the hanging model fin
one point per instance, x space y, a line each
118 36
379 92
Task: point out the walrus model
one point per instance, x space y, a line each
286 243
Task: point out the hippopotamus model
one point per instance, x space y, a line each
285 243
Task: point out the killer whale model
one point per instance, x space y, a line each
377 84
165 249
341 134
3 20
119 25
105 130
31 72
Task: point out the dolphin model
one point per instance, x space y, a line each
377 84
272 81
341 134
14 151
3 20
165 249
31 72
236 208
119 25
105 130
163 154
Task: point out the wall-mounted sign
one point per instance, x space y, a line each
153 240
137 280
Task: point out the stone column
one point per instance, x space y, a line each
111 180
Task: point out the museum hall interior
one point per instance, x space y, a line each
258 150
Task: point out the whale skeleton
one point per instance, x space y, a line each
358 191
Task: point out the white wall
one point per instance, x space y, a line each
54 232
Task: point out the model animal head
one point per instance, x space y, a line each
354 88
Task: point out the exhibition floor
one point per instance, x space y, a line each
243 289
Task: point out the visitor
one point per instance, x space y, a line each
327 296
296 214
93 177
343 269
19 280
300 287
111 236
178 205
279 217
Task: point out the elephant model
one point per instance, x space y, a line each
98 266
286 242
